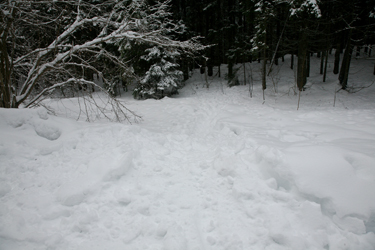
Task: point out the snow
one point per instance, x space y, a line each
207 169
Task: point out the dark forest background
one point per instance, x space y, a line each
265 31
56 48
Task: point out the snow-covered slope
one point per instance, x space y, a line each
208 169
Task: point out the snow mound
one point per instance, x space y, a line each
25 119
327 175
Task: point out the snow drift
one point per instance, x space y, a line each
209 169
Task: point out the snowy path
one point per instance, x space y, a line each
205 170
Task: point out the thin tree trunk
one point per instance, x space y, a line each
230 70
210 69
292 61
6 97
308 65
322 62
325 66
358 53
244 72
264 69
345 66
203 68
302 61
205 74
336 64
185 69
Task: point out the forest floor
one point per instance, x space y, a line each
210 168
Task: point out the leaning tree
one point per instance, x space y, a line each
45 45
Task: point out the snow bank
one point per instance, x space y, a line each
209 169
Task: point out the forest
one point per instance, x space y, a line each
59 47
187 125
266 31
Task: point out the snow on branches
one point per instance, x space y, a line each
307 6
162 78
48 45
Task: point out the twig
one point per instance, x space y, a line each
355 90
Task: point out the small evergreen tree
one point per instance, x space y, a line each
163 77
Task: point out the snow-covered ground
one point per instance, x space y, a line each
207 169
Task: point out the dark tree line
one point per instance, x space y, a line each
266 30
56 45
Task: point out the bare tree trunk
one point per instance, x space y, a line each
7 95
264 69
337 60
203 68
358 53
230 70
325 66
322 62
244 73
5 79
210 68
345 65
302 61
205 73
185 69
308 65
292 61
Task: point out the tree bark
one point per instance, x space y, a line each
292 61
337 60
5 84
358 53
185 69
308 65
322 62
210 69
244 73
264 69
230 70
345 65
7 95
302 61
325 66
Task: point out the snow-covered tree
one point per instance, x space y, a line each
303 12
264 11
46 45
163 78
